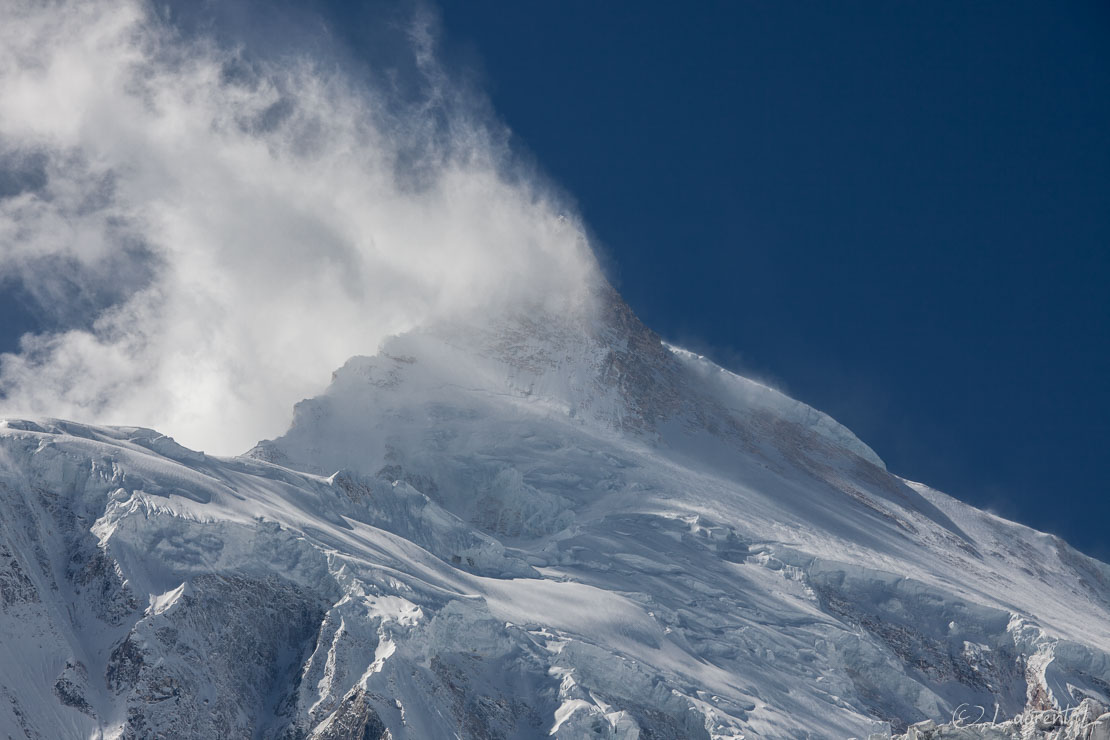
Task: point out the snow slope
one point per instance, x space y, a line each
553 524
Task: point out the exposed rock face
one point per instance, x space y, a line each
553 527
15 586
354 720
249 637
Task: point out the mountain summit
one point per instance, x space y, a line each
549 524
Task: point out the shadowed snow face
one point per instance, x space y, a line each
211 233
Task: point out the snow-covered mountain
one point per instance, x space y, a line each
550 524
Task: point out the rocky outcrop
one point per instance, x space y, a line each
354 720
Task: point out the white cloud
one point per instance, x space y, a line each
216 234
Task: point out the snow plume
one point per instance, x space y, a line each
209 234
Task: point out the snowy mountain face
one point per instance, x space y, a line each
551 525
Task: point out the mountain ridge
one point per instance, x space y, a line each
551 523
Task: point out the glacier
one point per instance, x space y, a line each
548 524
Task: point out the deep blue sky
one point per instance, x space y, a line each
898 212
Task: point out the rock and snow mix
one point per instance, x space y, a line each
557 526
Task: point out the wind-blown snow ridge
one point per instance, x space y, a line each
755 393
552 526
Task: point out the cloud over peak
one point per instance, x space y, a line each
210 232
